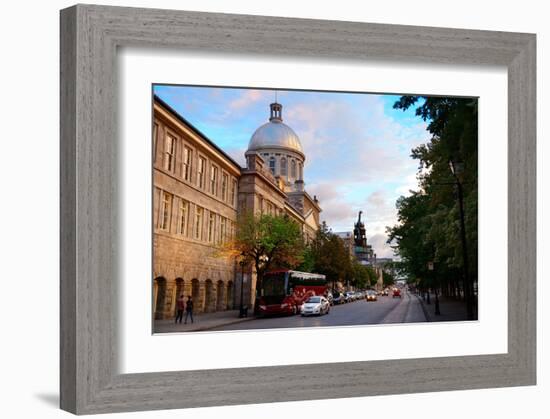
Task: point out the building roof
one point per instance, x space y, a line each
344 234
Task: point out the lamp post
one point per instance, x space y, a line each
457 168
241 305
436 288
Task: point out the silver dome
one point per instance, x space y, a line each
275 134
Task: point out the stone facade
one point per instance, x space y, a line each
198 193
194 212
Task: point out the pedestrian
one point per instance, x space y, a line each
189 309
180 305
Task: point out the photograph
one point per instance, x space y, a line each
278 208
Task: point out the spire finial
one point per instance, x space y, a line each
276 111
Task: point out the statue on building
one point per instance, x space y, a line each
359 233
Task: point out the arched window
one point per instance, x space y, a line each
283 167
293 169
272 165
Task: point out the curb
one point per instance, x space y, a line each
428 319
202 329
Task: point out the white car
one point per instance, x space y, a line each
316 305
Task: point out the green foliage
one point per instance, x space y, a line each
362 275
327 255
330 255
388 278
269 242
428 228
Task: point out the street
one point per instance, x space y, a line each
386 310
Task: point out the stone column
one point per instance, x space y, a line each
221 298
199 307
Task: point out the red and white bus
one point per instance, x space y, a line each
284 291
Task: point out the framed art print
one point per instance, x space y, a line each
291 191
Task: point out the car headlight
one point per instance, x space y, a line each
285 305
263 307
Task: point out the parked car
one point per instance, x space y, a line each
385 292
359 295
338 298
372 295
349 297
315 305
396 293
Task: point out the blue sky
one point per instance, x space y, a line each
357 146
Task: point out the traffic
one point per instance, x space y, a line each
289 292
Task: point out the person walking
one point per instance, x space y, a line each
189 309
180 305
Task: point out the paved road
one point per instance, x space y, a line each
386 310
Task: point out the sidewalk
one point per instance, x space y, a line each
203 321
451 309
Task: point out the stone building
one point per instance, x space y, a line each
199 192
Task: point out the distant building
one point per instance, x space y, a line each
198 193
347 238
383 261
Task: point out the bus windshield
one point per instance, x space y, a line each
273 284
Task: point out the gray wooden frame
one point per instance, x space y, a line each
90 36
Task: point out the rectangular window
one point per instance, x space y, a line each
213 180
187 156
200 172
165 211
169 153
283 167
183 216
198 222
223 230
225 178
155 137
233 194
211 226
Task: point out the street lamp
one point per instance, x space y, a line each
457 168
436 286
241 306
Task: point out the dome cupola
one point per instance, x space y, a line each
275 134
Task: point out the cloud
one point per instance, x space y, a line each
336 211
381 248
246 99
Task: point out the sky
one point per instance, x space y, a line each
357 146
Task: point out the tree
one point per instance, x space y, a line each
268 241
388 278
428 228
329 256
362 275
